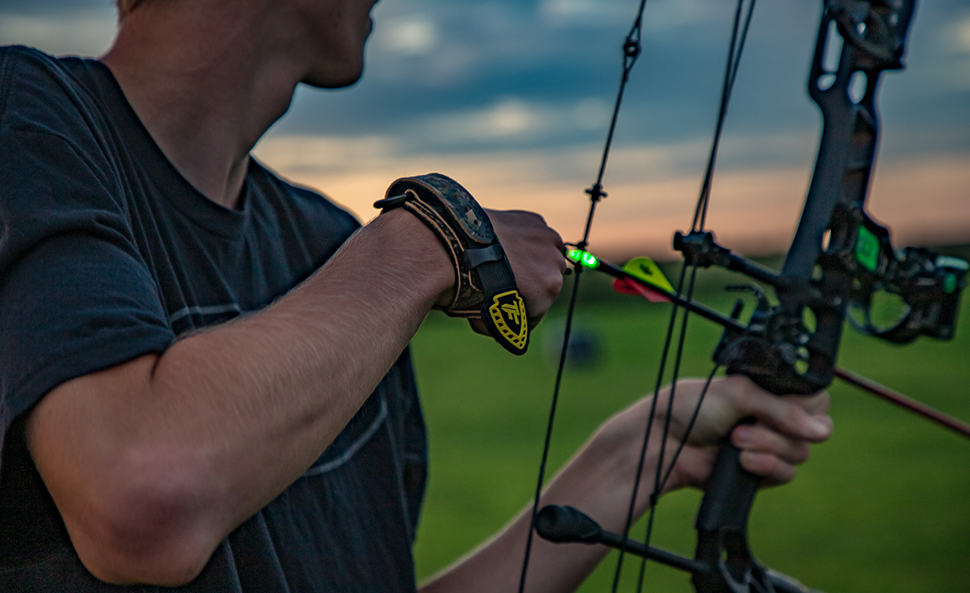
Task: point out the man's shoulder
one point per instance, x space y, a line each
25 70
41 92
28 61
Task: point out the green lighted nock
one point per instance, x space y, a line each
584 258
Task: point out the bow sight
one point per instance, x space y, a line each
784 352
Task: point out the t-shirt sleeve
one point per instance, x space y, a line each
75 294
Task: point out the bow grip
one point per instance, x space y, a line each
729 492
722 524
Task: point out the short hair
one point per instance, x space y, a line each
126 6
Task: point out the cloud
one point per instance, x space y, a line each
512 119
954 41
652 188
955 37
500 94
408 36
661 14
584 11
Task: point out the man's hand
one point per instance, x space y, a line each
508 265
771 447
535 252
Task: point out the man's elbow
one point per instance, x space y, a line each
149 535
122 567
138 509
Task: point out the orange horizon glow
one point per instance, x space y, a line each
754 210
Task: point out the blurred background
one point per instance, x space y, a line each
512 97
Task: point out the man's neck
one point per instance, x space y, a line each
207 81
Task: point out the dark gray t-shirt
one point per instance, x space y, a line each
108 253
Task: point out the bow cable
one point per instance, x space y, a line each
739 36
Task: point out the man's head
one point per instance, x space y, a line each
327 35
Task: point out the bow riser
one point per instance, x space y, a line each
799 344
786 349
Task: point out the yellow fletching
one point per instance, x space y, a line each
647 270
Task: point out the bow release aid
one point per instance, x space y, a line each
484 283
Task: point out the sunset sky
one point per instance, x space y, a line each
512 98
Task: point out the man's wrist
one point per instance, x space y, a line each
413 246
619 441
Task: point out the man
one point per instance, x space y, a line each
200 388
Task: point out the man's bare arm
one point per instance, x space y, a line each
152 463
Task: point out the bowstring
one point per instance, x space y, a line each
690 424
694 416
651 416
738 40
730 75
631 51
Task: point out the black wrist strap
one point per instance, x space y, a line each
484 283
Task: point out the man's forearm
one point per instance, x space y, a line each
282 383
597 480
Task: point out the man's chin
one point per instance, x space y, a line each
332 80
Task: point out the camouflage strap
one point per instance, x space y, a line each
484 284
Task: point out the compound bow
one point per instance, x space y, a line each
839 262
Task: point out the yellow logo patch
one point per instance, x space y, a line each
507 312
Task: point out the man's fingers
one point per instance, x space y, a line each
771 447
761 439
773 470
535 253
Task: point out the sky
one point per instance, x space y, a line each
512 98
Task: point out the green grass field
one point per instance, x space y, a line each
883 506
